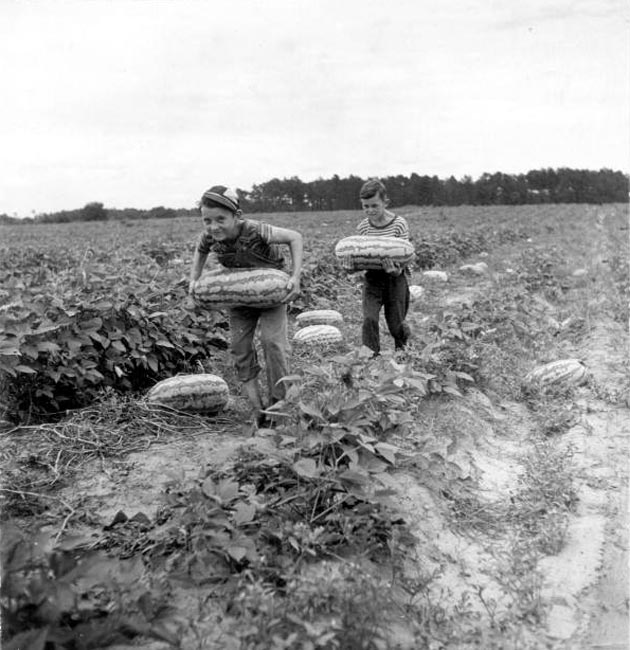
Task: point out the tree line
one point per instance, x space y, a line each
561 185
537 186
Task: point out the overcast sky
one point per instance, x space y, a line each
145 103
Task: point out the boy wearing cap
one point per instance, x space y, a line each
245 243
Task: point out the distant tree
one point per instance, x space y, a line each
160 212
93 212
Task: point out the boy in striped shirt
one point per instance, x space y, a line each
387 288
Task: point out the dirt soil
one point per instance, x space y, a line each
585 589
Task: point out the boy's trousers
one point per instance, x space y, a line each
274 341
381 289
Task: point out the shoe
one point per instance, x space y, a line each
264 421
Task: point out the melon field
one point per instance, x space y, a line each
436 498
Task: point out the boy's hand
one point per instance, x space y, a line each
391 267
347 264
294 289
189 303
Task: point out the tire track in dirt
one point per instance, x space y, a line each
587 583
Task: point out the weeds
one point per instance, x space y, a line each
114 427
333 605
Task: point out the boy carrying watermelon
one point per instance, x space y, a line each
239 243
387 288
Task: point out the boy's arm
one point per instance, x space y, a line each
199 259
348 265
395 268
296 245
346 262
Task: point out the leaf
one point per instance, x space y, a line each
385 492
306 467
419 384
227 490
11 537
160 631
27 370
237 552
244 513
354 477
290 378
94 570
209 488
61 598
119 346
370 463
29 351
387 451
31 640
48 346
74 541
92 324
437 446
153 363
351 453
165 344
103 305
103 341
119 518
43 543
312 410
141 519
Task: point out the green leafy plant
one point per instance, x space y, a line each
60 595
59 351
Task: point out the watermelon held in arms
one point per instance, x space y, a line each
201 393
368 252
224 288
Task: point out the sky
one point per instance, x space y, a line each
137 104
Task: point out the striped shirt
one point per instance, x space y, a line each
252 247
397 227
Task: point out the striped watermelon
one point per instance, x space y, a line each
416 291
368 252
440 276
562 373
223 288
319 317
202 393
317 335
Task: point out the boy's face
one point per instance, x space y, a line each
219 222
374 207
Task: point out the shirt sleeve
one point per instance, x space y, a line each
403 228
263 229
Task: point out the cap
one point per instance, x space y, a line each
222 196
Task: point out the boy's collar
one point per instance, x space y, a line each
389 217
240 222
